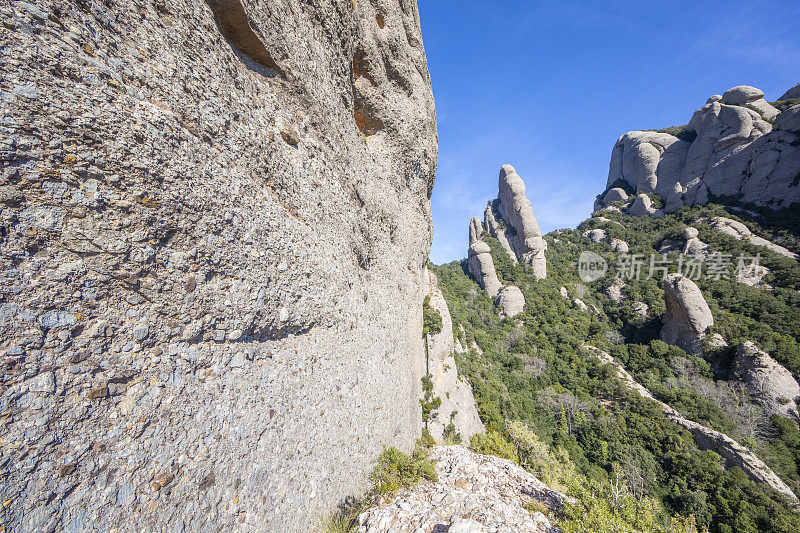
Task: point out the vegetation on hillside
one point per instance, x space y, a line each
534 370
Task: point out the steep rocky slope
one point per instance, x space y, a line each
457 403
692 399
736 145
215 223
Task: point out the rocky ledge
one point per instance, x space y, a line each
475 493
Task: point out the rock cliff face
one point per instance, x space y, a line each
458 404
510 220
687 317
515 209
215 221
736 145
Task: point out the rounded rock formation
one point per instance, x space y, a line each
616 194
729 137
771 385
687 317
481 267
516 210
643 206
511 301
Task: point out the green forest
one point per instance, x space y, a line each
534 369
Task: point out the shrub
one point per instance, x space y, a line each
429 402
396 469
431 319
493 443
450 436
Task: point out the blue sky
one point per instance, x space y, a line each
550 86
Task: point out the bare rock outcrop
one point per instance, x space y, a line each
738 230
474 494
216 218
729 148
706 438
619 246
687 317
792 93
516 210
770 384
458 403
595 235
510 220
643 206
789 120
690 245
511 301
475 231
614 290
498 232
481 267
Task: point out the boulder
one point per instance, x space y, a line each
620 246
515 209
687 317
481 267
616 194
510 301
643 206
695 247
770 385
690 232
741 95
595 235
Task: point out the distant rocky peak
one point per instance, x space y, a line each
736 145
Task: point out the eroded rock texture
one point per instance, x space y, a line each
215 221
736 145
767 381
515 209
687 317
481 267
458 403
511 301
474 494
509 219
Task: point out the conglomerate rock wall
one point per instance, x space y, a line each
215 224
